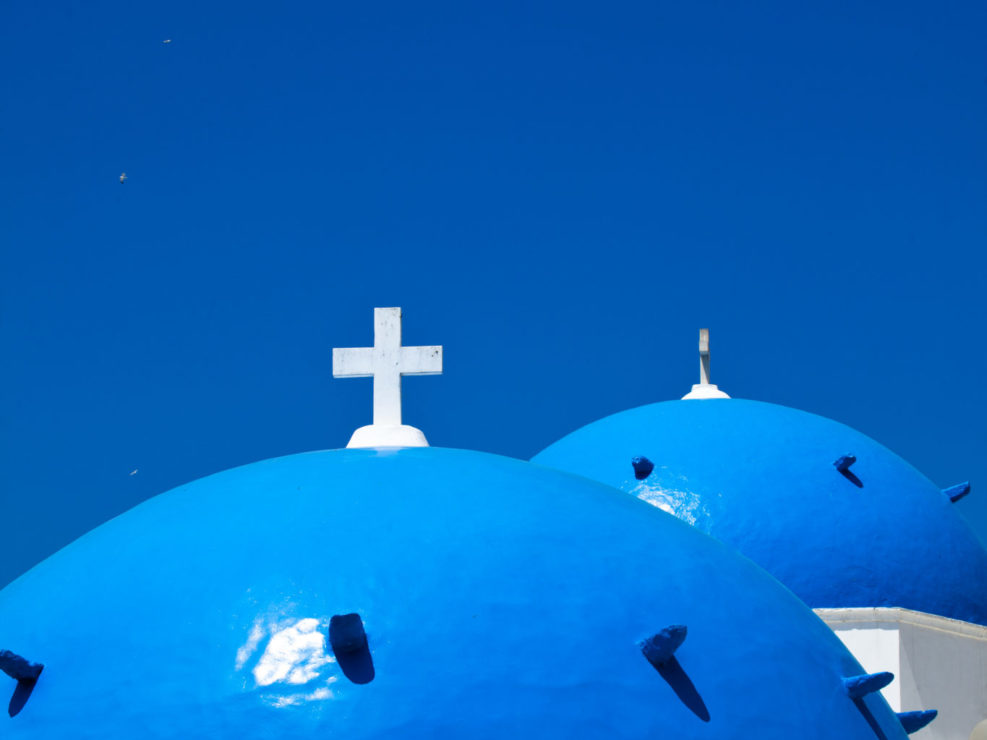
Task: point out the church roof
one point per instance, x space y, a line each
837 517
419 592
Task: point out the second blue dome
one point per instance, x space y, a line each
837 517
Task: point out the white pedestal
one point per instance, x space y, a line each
704 390
387 435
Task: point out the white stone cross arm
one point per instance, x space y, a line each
386 362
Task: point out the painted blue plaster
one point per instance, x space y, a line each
761 478
499 598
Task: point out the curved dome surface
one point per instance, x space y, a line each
762 478
498 599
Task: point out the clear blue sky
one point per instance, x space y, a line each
561 194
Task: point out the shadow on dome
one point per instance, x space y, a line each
684 689
21 694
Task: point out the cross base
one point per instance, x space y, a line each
387 435
704 390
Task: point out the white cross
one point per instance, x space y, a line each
386 362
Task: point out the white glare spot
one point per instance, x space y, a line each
684 504
319 694
248 648
294 655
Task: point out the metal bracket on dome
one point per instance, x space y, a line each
866 683
642 467
915 721
659 649
842 464
351 647
955 493
25 673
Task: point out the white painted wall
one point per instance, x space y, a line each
938 663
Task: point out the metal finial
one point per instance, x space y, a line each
704 389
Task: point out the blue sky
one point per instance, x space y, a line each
560 194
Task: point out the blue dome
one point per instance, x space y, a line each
763 478
418 593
